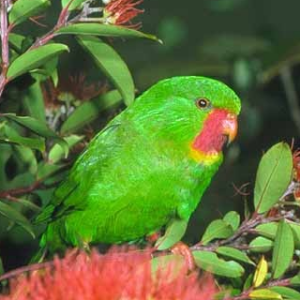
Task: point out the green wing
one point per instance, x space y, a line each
72 192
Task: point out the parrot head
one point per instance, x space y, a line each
198 114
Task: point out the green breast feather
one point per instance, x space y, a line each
140 172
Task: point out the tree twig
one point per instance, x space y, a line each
4 31
30 268
9 194
246 227
290 90
246 294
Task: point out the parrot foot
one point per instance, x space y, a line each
153 237
182 249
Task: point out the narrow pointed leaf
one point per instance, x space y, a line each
216 229
265 294
13 215
16 41
33 59
175 231
109 61
296 232
283 249
234 254
104 30
295 280
260 272
273 176
38 127
286 292
210 262
57 152
24 9
88 111
13 137
1 267
72 4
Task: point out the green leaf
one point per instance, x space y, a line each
283 249
296 232
24 9
46 170
261 245
12 136
104 30
295 280
216 229
73 5
248 282
57 152
264 294
38 127
1 267
273 176
234 254
88 111
267 230
233 219
29 204
34 58
175 231
286 292
34 102
13 215
16 41
27 157
164 262
210 262
109 61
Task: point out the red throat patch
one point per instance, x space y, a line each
211 137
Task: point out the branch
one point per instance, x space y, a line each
61 22
246 228
246 294
4 31
24 269
290 90
10 194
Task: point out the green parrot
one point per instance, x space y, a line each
148 167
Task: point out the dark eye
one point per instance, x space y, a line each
202 103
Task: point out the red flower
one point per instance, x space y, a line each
121 12
113 276
296 166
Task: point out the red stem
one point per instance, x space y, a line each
24 269
4 31
20 191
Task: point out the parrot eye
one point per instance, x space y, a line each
202 103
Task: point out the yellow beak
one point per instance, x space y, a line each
230 127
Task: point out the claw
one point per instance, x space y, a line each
182 249
152 238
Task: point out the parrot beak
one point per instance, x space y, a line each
230 127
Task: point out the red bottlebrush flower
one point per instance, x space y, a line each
124 275
121 12
78 87
296 177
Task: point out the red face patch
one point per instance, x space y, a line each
211 137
